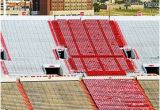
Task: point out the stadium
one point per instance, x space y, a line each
79 63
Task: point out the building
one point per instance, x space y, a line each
47 7
66 7
35 7
15 7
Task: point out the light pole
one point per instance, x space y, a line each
109 13
30 7
24 5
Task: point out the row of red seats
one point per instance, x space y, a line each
112 93
57 34
81 37
66 34
93 64
106 29
96 37
118 34
54 25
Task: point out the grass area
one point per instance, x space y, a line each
129 12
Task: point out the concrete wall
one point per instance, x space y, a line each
72 12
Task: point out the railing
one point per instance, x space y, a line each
24 95
5 47
4 68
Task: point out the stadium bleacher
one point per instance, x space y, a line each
96 72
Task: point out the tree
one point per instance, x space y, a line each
103 1
103 6
126 5
155 1
96 7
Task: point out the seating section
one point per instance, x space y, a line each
96 37
151 89
80 37
110 64
142 35
11 98
108 32
60 95
92 46
27 42
115 94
